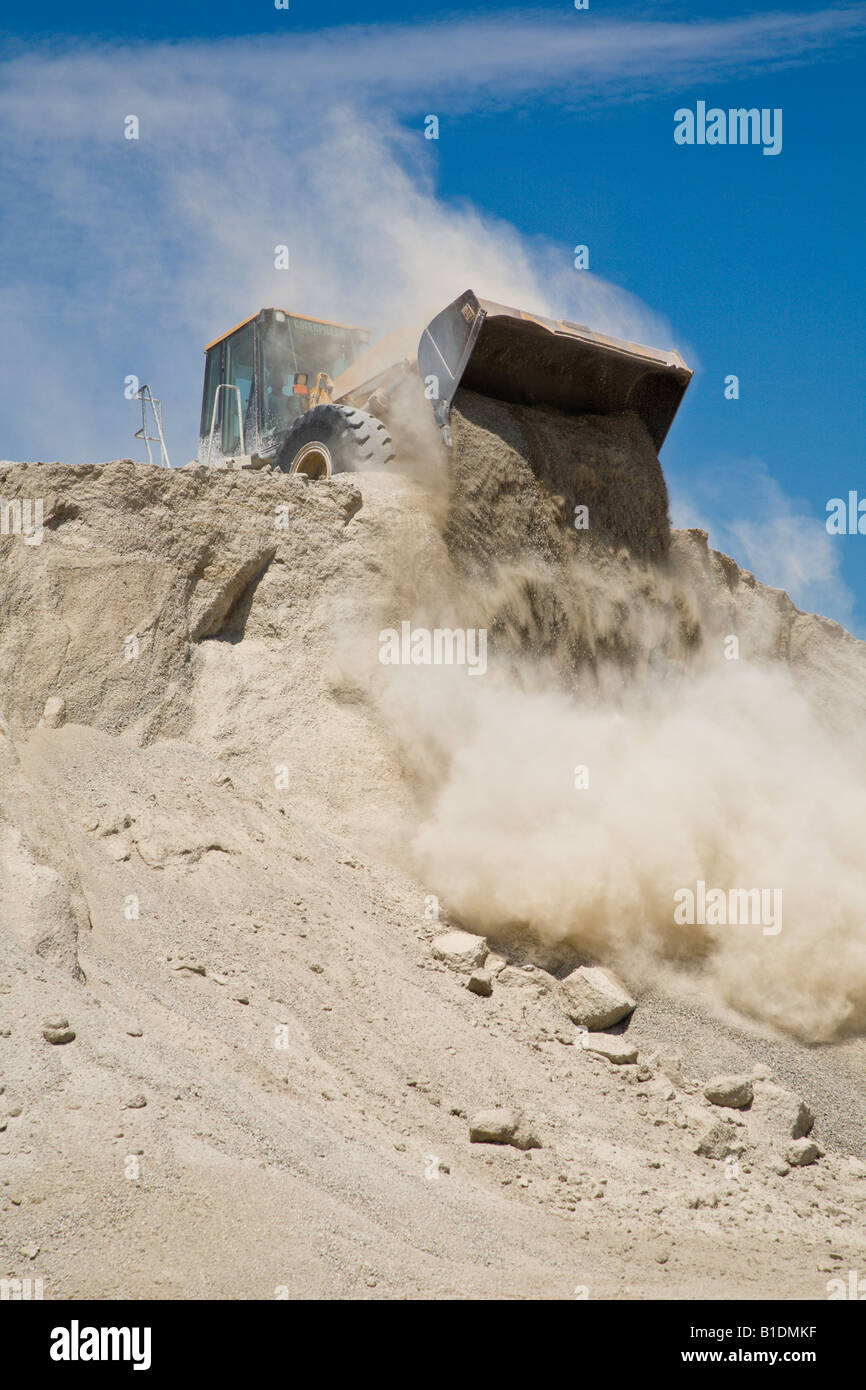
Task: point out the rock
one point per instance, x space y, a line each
718 1140
460 949
779 1112
615 1049
136 1103
524 1138
54 713
672 1067
595 998
735 1092
493 1126
479 982
501 1126
803 1152
57 1031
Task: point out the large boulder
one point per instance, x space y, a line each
480 983
735 1092
780 1114
595 998
460 949
501 1126
802 1152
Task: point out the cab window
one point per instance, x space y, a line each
240 359
212 369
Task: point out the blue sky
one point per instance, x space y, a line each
556 128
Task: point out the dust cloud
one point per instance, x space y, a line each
615 755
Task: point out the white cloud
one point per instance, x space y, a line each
750 516
471 60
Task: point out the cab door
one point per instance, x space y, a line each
230 364
239 371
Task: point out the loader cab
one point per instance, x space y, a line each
258 379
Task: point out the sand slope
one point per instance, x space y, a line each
210 865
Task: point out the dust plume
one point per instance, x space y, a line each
614 754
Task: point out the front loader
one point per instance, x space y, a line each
312 397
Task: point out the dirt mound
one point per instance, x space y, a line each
227 846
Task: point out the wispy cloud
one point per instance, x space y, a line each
750 516
471 60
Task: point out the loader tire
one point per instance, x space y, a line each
335 439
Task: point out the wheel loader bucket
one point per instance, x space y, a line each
528 360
